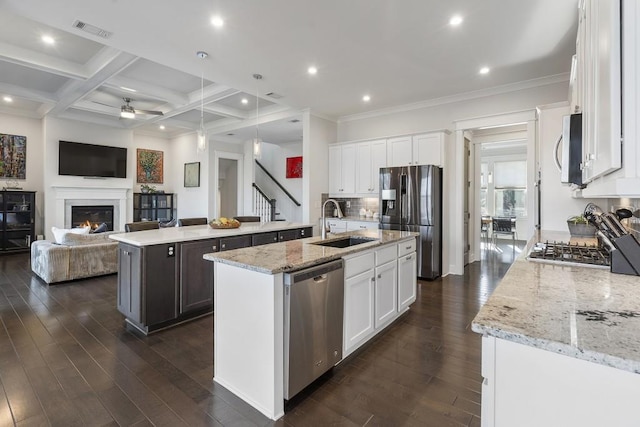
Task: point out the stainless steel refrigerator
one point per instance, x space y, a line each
411 200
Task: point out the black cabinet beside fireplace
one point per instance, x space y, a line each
153 207
17 222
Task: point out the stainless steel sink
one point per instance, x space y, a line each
345 242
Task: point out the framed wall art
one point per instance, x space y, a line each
294 167
192 174
13 156
149 166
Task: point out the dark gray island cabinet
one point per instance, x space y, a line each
163 279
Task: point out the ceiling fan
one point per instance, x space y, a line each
128 112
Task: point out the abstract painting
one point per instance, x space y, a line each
149 166
13 156
294 167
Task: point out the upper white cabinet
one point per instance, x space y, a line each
342 170
611 48
370 157
598 68
424 149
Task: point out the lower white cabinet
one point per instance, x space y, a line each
372 286
361 225
407 280
386 293
358 313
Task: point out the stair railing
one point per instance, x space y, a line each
293 199
265 207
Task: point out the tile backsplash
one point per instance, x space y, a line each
355 204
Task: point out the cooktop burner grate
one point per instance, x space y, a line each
570 253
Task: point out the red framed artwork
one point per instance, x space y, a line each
294 167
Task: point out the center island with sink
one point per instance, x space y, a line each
350 285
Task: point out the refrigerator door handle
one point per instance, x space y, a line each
404 199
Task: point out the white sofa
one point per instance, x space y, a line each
76 257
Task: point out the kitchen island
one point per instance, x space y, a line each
560 346
249 295
162 277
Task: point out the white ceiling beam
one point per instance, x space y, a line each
227 126
223 110
42 62
30 94
76 90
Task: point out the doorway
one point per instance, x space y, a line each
228 184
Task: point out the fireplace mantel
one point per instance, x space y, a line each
67 196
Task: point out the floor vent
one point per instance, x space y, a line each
91 29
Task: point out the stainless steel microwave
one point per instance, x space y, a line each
570 167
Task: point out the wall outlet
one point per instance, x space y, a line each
171 251
348 203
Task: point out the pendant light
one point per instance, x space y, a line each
257 142
202 134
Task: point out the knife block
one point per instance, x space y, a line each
625 258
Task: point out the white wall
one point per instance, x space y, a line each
34 179
556 201
190 201
274 158
442 116
318 134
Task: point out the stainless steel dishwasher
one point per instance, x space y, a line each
314 309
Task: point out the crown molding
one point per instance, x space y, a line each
466 96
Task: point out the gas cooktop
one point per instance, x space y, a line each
570 254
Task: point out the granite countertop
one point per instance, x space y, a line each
582 312
297 254
199 232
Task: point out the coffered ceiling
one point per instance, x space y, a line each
396 52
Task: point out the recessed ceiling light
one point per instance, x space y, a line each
217 21
484 70
366 98
48 39
161 127
128 89
7 99
312 70
455 20
245 101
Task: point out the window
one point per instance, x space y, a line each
503 188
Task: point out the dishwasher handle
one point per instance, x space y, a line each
312 272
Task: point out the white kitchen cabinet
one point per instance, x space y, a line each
361 225
335 225
423 149
358 309
399 151
407 281
386 293
372 286
624 182
370 157
342 170
573 392
427 149
598 51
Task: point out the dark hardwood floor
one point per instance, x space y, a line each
67 359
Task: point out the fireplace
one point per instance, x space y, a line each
92 215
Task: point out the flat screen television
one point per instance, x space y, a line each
79 159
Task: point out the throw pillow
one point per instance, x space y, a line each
58 233
101 228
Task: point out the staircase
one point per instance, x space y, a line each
279 208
